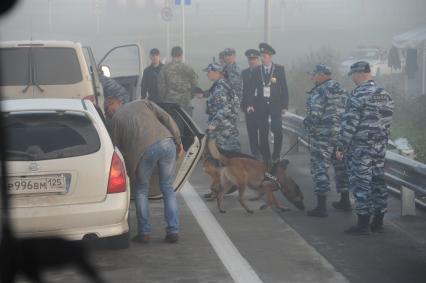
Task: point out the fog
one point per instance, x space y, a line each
297 26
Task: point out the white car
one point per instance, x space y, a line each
65 177
377 58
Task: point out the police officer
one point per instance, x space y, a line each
268 98
232 71
363 138
178 81
247 75
324 108
149 85
222 110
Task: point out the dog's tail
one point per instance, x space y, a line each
214 151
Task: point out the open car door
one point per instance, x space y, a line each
125 64
193 141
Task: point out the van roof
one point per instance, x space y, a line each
44 104
39 43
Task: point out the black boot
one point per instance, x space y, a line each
321 209
361 228
376 225
344 203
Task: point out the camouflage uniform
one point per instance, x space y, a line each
222 108
324 108
176 84
363 137
234 79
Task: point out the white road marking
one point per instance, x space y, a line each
235 263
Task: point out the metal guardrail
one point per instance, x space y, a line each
400 172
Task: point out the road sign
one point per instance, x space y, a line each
187 2
167 14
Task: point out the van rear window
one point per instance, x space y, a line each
14 66
39 65
49 135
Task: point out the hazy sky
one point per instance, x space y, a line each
298 26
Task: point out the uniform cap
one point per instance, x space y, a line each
252 53
266 48
154 51
228 51
214 67
360 67
320 69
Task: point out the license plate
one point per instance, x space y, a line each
36 184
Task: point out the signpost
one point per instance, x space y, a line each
167 16
182 5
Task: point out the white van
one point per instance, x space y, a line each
48 69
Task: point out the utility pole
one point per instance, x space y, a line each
267 24
183 30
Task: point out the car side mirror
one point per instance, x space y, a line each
106 71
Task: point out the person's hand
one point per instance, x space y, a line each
179 150
250 109
211 127
284 110
199 95
339 155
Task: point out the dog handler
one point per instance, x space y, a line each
324 108
222 108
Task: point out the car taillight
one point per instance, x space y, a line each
92 98
117 176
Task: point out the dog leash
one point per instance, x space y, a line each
293 146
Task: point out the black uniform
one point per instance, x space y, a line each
271 106
252 128
150 83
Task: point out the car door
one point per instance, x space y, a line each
93 71
193 141
125 64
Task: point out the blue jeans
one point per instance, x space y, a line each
163 154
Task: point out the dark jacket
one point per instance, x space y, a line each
150 83
247 75
279 92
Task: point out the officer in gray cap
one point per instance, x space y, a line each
268 98
324 108
363 139
222 109
232 72
247 75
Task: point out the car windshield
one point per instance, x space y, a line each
47 65
42 136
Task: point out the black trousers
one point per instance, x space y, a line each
253 133
269 119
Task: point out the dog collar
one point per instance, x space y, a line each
271 178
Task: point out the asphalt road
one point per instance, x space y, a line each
269 246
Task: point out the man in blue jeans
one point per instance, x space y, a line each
148 137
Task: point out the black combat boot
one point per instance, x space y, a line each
321 209
376 225
344 203
361 228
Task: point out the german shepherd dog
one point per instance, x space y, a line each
244 172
